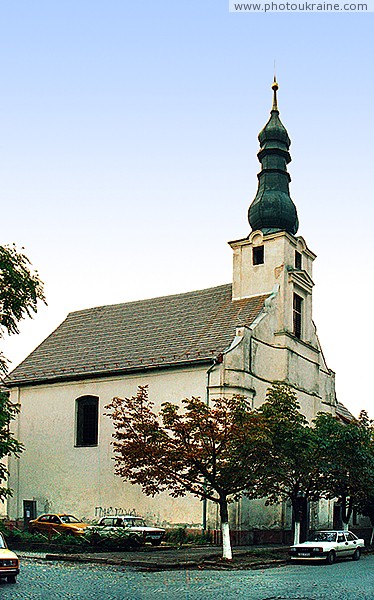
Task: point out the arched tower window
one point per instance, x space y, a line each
87 420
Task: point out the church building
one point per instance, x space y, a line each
237 338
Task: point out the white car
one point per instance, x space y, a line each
329 546
110 526
9 563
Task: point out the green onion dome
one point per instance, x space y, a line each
272 209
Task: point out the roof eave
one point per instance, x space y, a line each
71 377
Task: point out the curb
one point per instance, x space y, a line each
120 561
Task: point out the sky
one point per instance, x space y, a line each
128 148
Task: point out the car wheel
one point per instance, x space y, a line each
134 541
331 557
155 542
356 555
11 579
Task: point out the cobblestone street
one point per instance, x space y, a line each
50 581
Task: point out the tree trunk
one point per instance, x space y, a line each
226 543
346 512
296 535
298 514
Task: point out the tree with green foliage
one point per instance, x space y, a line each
215 452
20 291
367 509
293 467
327 459
367 506
8 443
347 465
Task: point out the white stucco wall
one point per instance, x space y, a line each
62 477
261 357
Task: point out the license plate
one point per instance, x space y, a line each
303 554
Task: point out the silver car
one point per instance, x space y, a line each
109 526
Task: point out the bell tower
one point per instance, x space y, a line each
272 259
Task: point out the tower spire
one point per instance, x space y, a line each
272 209
275 87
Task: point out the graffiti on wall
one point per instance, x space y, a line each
113 511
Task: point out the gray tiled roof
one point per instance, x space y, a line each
343 413
160 332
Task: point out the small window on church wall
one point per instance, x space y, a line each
258 255
298 260
87 417
297 315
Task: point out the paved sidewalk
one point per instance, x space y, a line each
166 558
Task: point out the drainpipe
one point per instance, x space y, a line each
215 361
17 460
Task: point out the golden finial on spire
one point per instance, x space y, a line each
275 87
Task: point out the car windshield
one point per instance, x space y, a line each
69 519
2 543
323 536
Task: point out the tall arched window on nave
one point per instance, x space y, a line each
87 421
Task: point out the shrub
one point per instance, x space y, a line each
182 535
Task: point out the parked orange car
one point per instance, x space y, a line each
57 523
9 563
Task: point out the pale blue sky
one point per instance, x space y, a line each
128 154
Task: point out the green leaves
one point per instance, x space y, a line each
292 469
347 460
20 291
8 443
